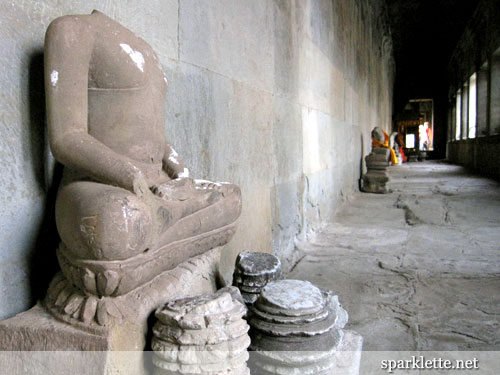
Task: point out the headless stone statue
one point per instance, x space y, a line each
376 177
126 209
378 134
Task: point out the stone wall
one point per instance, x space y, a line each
481 154
278 96
478 51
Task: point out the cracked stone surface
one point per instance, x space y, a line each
419 268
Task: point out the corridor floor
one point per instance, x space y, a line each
419 268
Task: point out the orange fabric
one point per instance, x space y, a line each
377 143
403 156
402 145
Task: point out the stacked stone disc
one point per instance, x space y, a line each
296 328
376 177
252 272
204 335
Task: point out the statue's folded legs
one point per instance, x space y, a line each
105 223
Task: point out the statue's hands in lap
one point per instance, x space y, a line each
141 186
179 189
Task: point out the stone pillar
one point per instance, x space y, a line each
253 270
376 177
297 328
201 335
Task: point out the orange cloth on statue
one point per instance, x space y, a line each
401 150
377 143
403 156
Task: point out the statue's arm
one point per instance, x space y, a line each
68 48
172 164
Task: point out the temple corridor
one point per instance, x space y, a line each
419 268
156 152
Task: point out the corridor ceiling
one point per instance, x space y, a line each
425 33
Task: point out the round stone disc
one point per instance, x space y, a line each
255 281
290 298
254 263
203 311
197 305
321 343
283 319
314 328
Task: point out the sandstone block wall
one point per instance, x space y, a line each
277 96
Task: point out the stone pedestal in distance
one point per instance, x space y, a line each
422 155
376 177
252 272
296 328
413 157
202 335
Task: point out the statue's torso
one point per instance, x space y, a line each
126 93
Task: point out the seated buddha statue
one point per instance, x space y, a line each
126 209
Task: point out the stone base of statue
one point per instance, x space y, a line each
79 333
422 155
376 177
296 328
413 157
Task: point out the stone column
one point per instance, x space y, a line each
296 328
202 335
376 177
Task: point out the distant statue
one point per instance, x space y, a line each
381 139
378 135
376 176
126 209
394 141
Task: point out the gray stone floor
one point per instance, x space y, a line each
417 269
